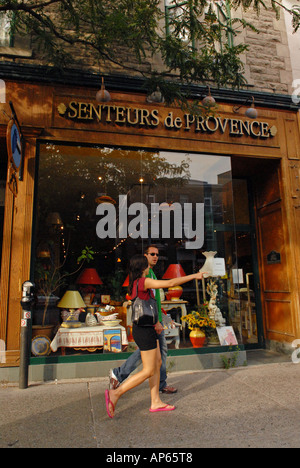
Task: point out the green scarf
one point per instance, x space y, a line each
151 274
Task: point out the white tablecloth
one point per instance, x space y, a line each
83 337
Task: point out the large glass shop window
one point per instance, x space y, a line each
99 206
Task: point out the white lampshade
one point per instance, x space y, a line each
208 266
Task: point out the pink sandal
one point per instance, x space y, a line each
163 408
107 402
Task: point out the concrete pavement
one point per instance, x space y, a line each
255 406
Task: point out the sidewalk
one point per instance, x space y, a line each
254 406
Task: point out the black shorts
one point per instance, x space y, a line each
145 337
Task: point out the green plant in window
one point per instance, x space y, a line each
49 277
115 283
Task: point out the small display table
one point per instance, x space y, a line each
169 305
83 338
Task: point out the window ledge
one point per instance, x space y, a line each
15 52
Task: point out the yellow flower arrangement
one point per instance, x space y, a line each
200 320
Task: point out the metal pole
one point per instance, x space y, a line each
26 303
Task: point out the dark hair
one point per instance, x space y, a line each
137 266
146 250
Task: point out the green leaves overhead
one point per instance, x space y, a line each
191 41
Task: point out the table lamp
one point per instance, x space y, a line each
126 282
71 300
124 285
174 270
89 277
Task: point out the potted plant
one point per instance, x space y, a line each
48 279
200 324
116 290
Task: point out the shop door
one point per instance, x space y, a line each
273 242
261 250
244 304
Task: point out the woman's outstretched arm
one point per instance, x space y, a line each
157 284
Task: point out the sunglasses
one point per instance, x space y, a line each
153 254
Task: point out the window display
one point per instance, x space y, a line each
103 205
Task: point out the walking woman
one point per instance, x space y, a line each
145 335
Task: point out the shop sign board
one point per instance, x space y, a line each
124 116
14 145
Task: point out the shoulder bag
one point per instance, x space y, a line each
144 309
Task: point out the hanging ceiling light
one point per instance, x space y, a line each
251 112
103 95
208 100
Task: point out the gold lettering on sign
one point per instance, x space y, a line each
189 120
245 128
265 130
145 114
135 120
212 124
109 109
120 118
234 127
146 118
257 124
155 118
223 124
73 109
200 125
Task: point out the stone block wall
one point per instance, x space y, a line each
267 62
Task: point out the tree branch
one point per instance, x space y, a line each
26 7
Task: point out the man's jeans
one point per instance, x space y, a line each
135 360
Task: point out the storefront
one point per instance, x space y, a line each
118 176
